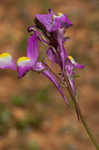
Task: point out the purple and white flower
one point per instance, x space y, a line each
53 27
70 69
30 62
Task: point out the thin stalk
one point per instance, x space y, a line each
88 130
79 114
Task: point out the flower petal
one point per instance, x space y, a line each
79 66
7 62
70 66
52 22
38 34
60 21
51 77
30 28
39 66
46 20
24 64
52 55
62 51
32 48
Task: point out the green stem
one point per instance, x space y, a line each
88 130
79 114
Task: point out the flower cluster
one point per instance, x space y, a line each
49 29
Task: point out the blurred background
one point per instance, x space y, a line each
33 115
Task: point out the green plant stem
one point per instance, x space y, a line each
88 130
79 114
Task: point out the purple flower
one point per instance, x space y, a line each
53 27
70 69
53 22
70 66
30 62
53 56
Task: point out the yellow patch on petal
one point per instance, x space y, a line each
59 14
70 57
4 55
23 59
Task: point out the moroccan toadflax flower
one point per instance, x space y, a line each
49 29
29 62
